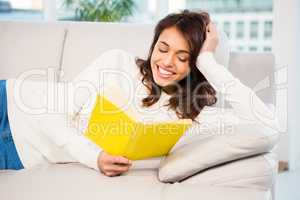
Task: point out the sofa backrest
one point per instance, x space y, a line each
69 47
256 70
27 46
86 41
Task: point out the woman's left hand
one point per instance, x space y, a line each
212 38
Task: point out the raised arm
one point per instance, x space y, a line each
243 100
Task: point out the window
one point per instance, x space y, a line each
21 10
268 26
252 48
246 22
216 23
240 29
99 10
254 30
240 48
226 28
267 49
237 18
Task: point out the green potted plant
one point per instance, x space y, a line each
100 10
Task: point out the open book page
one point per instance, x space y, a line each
116 128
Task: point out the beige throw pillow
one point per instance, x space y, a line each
245 140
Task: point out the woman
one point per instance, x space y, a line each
179 79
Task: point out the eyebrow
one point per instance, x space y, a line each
179 51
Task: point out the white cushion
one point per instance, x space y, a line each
244 140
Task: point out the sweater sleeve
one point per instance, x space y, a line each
245 103
57 129
112 67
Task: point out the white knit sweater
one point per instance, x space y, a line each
43 126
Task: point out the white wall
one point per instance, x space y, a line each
286 47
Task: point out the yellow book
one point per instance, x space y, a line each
118 131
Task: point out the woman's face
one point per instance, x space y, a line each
170 58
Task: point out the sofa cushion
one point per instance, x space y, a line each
257 172
30 48
243 141
198 191
73 181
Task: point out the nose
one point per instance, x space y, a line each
168 60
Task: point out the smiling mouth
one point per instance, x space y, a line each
164 73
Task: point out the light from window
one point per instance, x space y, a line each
226 28
253 29
247 23
267 49
240 48
240 29
21 10
268 26
252 48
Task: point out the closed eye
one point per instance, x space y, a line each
182 59
163 50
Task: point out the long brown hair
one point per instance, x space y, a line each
191 94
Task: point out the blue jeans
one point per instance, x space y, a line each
9 158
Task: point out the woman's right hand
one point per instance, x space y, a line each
111 165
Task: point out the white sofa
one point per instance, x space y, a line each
68 47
